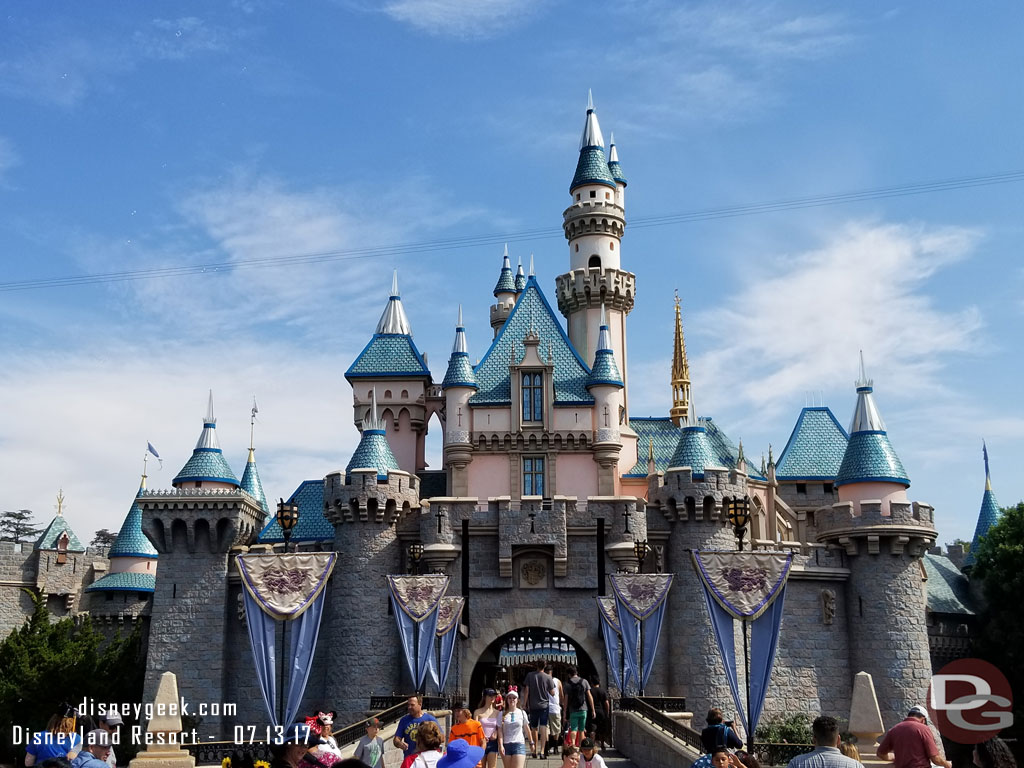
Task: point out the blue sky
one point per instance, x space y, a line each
137 136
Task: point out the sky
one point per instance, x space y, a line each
236 138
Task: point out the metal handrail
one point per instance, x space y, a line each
673 727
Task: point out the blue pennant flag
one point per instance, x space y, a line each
151 449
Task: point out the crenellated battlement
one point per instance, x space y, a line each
198 520
368 499
583 288
867 526
682 497
589 217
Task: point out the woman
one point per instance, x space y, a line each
719 733
428 747
59 740
290 749
511 734
488 715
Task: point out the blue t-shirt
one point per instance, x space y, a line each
46 745
88 760
408 726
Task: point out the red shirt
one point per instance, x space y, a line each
911 742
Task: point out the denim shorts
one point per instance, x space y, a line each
491 747
515 748
538 718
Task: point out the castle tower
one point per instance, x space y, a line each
365 503
133 560
520 280
593 224
987 516
505 293
251 476
883 536
680 373
391 366
605 384
459 385
615 168
193 526
61 563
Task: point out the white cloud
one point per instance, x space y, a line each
461 18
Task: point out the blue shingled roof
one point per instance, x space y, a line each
206 464
131 541
312 525
605 371
388 354
520 279
373 451
947 588
615 169
665 435
592 168
460 372
57 526
124 582
506 282
694 450
987 517
531 311
252 485
815 448
725 450
870 458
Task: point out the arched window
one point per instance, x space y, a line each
533 397
595 261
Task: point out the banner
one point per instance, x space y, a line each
415 600
287 587
751 587
640 608
449 611
612 636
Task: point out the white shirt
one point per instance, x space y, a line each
554 702
597 762
512 727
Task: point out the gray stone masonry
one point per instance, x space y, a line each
648 745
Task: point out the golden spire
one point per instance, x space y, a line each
680 373
60 503
651 466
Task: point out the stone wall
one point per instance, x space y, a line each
648 745
17 573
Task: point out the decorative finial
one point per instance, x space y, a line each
551 357
771 458
764 467
741 460
506 251
650 449
210 418
60 502
532 273
677 296
590 98
611 140
394 284
374 423
681 404
460 317
252 426
988 479
863 381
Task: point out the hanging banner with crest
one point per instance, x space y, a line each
415 600
612 637
640 608
284 587
449 612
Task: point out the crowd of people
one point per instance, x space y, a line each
71 740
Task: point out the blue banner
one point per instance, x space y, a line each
610 634
721 622
415 601
264 653
764 642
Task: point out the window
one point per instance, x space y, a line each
827 488
593 193
801 488
595 261
577 247
533 397
607 195
577 196
533 476
611 245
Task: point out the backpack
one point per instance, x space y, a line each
577 695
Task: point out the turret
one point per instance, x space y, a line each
680 373
251 483
207 467
615 169
987 516
459 385
505 293
62 560
605 384
520 280
133 559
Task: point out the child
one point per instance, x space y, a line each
570 756
590 758
370 748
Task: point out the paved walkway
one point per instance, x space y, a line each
612 758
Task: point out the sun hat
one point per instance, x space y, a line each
460 754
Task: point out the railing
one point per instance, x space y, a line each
214 752
779 754
673 727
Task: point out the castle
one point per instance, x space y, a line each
549 479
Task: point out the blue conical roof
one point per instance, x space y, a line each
207 463
131 541
506 282
592 167
869 456
373 450
987 517
694 450
460 370
614 167
520 280
605 370
251 483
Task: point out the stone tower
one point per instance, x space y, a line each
193 527
459 385
506 290
594 224
364 504
883 536
605 384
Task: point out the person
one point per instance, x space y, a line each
94 751
370 748
719 733
322 723
602 731
720 757
588 755
746 760
910 744
993 753
461 754
55 762
288 750
826 752
489 716
60 739
465 727
537 691
405 734
428 746
579 701
110 722
570 756
556 702
849 749
512 733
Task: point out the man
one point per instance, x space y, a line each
465 727
538 689
578 702
556 702
95 750
826 752
109 723
405 734
912 743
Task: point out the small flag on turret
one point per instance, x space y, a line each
255 409
151 449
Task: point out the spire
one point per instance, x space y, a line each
520 277
251 482
605 371
614 167
987 517
532 272
680 373
988 477
207 463
208 437
393 320
592 167
865 416
652 466
506 283
373 451
460 371
130 541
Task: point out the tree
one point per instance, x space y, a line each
17 526
103 538
998 566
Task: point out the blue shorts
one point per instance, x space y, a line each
539 718
515 748
491 748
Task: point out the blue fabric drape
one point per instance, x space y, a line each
406 628
261 638
721 622
427 632
629 625
447 641
764 642
611 650
417 642
304 632
651 634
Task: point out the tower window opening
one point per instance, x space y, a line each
607 195
595 261
533 476
801 488
577 247
611 246
577 197
533 397
827 488
593 193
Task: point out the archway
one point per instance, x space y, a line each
509 658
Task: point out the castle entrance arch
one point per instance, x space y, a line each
509 658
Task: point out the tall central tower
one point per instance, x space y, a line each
593 225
